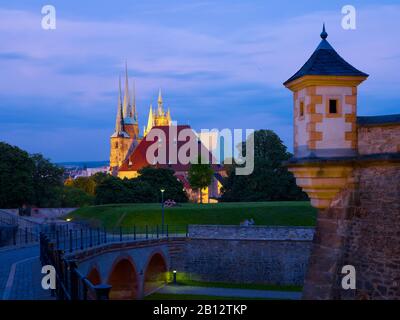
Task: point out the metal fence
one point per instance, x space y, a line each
58 240
17 231
70 283
70 238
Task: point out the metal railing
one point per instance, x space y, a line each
58 241
74 238
70 283
17 231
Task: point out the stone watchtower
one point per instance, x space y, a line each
325 114
325 104
350 168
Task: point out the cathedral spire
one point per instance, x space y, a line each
133 108
126 111
121 113
118 118
169 115
149 121
160 111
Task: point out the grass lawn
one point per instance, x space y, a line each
299 213
161 296
269 287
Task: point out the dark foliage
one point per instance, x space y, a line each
270 180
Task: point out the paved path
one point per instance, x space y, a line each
230 292
20 274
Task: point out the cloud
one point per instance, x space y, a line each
13 56
223 71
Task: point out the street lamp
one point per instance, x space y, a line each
162 210
174 273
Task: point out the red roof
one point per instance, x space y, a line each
137 159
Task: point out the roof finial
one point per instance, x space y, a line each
324 34
160 104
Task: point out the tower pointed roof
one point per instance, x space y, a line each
160 110
169 115
119 122
149 121
133 108
325 61
127 110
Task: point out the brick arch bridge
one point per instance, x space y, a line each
133 270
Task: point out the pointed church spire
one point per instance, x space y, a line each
133 108
149 121
160 111
169 115
121 114
118 117
126 93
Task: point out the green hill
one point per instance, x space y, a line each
263 213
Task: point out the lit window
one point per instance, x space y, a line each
332 106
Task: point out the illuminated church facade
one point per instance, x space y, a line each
129 149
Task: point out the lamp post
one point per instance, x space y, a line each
174 273
162 211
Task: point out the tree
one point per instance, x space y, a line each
111 190
28 179
86 184
47 182
116 190
200 176
16 177
270 180
165 179
99 177
74 197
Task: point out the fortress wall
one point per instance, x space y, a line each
269 255
378 139
361 228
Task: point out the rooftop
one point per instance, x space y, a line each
326 61
379 120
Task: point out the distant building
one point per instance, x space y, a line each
129 150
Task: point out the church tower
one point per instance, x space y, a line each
158 117
120 139
130 114
325 104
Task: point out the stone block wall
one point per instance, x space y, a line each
269 255
378 139
361 228
251 232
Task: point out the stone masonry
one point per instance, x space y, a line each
361 229
269 255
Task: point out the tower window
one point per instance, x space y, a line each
333 106
301 109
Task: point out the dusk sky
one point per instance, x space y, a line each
220 64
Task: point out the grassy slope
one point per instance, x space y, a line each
252 286
161 296
263 213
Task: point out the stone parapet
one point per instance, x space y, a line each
273 233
